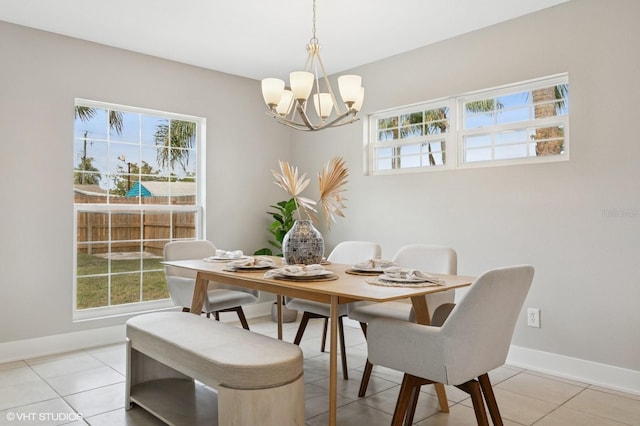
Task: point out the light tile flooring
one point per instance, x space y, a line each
88 387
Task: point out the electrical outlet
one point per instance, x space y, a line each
533 317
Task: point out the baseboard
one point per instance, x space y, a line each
581 370
57 343
593 373
78 340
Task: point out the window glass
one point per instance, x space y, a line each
135 188
523 122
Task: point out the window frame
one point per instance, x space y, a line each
198 208
447 137
454 141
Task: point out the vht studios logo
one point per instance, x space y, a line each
43 417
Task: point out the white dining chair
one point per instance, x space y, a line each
347 252
425 257
181 282
473 340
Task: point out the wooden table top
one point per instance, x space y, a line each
347 287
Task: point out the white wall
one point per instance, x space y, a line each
549 215
40 75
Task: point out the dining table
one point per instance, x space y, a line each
344 286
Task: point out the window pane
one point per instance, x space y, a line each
90 123
511 137
148 128
474 155
125 288
92 292
124 126
510 151
154 286
383 164
411 131
477 141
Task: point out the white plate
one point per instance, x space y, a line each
355 268
406 280
225 258
254 266
307 274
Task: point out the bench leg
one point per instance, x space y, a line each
281 406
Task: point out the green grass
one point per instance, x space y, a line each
93 291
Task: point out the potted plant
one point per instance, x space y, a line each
304 244
282 214
282 222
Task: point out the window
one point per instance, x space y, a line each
414 137
525 122
136 187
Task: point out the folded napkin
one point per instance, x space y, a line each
233 254
258 262
296 271
375 264
408 274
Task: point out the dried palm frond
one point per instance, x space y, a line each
293 184
332 180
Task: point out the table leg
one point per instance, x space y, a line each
333 362
199 293
279 302
421 311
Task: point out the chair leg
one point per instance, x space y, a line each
490 398
242 317
413 403
186 309
366 375
216 315
405 397
472 387
303 325
324 334
368 367
343 349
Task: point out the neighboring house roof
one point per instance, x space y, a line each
89 189
159 189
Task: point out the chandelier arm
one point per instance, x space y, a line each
308 126
326 82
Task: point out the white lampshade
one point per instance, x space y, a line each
301 84
358 103
349 86
272 89
323 104
285 103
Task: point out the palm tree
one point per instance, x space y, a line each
549 101
173 140
85 113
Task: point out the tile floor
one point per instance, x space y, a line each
87 387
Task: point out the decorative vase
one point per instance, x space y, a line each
303 244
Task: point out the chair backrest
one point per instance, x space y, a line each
352 252
479 329
428 258
183 250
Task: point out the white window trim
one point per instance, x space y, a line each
454 141
199 208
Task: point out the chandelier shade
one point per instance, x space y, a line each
288 104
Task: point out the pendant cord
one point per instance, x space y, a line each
313 28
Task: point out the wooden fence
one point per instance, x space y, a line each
133 230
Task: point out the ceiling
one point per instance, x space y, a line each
265 38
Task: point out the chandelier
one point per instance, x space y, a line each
288 105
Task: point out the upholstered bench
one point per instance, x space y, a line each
250 379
